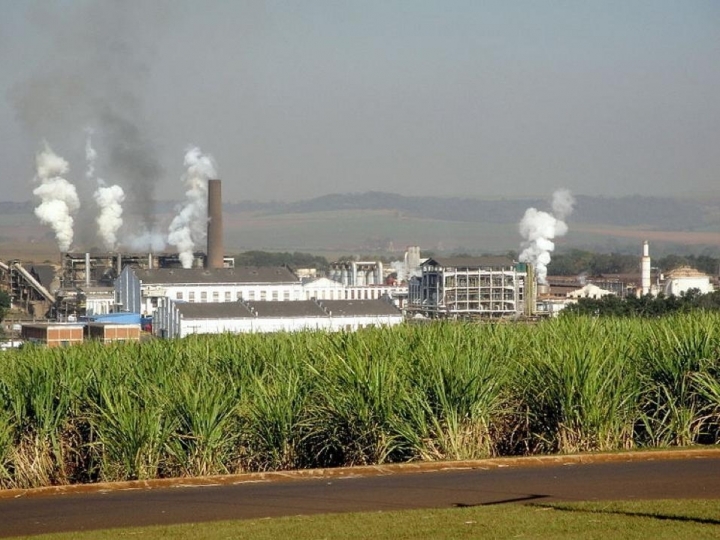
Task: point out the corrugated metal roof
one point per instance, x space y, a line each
213 310
470 262
685 272
299 308
112 325
241 274
52 325
360 307
288 309
235 310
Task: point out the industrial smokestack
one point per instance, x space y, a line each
215 251
645 269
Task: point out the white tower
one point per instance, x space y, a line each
645 269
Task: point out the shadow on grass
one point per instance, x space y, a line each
609 511
503 501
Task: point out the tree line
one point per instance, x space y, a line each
292 260
645 306
576 262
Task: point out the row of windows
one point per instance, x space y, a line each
228 297
345 294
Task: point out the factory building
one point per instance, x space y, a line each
175 319
357 273
139 291
683 279
96 300
328 289
466 287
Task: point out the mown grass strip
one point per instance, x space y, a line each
673 519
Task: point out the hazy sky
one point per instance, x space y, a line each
296 99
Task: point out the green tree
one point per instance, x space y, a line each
645 306
293 260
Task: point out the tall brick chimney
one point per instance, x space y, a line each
215 250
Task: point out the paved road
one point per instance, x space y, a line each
682 478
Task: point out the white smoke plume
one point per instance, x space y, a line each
59 197
147 241
90 155
189 227
404 271
108 198
400 269
539 228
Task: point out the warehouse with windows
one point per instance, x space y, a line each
139 291
175 319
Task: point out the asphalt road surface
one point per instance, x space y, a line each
657 479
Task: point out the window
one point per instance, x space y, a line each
263 295
216 296
179 295
203 296
238 296
286 295
275 296
191 296
228 296
251 295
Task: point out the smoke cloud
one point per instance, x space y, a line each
108 198
59 197
539 228
146 240
97 74
189 226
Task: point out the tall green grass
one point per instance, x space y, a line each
224 404
580 387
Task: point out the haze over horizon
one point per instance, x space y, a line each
297 100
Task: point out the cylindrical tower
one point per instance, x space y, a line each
645 269
87 269
215 251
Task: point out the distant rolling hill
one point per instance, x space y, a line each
374 221
377 222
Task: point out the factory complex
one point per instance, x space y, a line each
112 296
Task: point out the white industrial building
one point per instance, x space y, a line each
683 279
139 291
328 289
179 319
358 273
97 300
590 290
457 287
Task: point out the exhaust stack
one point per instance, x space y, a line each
645 269
215 250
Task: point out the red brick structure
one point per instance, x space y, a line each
109 332
52 334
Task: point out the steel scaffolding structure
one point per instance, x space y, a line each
466 287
